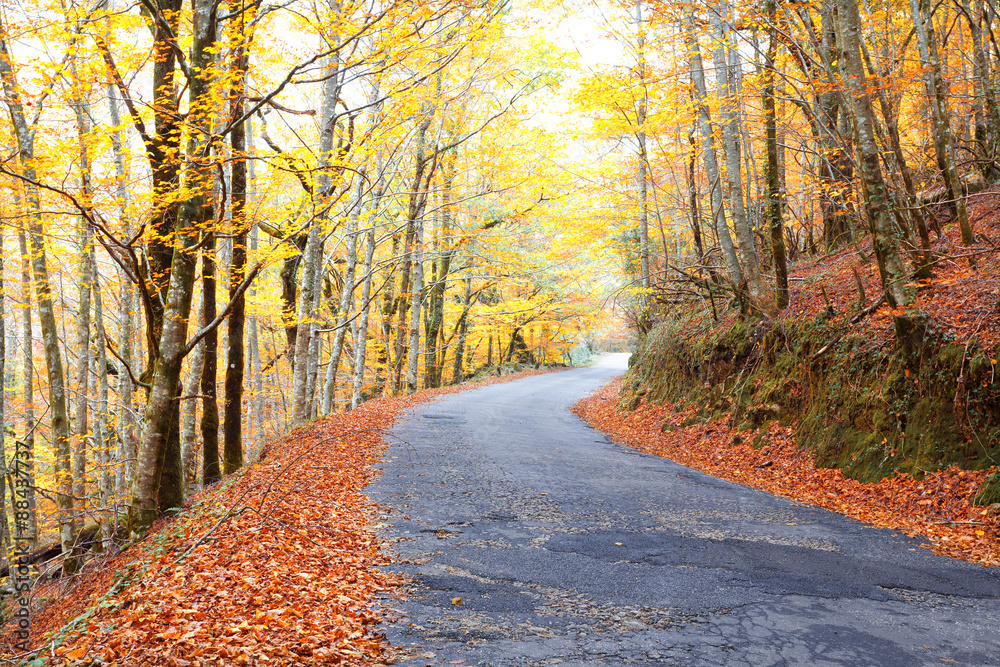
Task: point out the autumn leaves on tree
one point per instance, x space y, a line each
326 203
784 128
309 201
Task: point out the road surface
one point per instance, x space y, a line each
534 540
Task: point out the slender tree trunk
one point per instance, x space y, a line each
84 277
943 141
886 233
403 300
922 240
640 135
27 333
5 535
435 352
458 372
232 455
211 468
82 111
360 350
708 152
126 390
692 185
383 365
837 168
346 298
417 292
315 339
414 210
313 255
46 313
730 125
102 434
774 194
301 407
254 343
189 457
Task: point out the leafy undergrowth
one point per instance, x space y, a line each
276 565
959 299
937 508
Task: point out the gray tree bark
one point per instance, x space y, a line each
346 299
730 125
885 231
28 371
923 26
708 151
640 135
46 313
189 419
102 435
306 315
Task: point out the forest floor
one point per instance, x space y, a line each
961 299
275 565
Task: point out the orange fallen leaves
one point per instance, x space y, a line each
937 508
957 300
277 565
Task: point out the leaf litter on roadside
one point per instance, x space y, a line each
277 565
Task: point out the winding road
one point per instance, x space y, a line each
534 540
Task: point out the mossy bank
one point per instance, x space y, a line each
852 397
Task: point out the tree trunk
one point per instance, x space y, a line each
5 535
774 194
81 407
360 349
730 125
46 312
885 232
126 391
417 292
458 372
922 255
837 168
315 339
28 335
346 298
189 458
313 255
943 141
211 468
232 454
640 135
102 434
708 151
192 214
434 353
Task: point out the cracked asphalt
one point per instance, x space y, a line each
532 539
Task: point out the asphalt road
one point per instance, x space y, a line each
567 549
